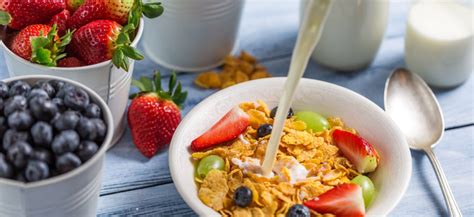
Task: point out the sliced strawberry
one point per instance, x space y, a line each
343 200
227 128
359 152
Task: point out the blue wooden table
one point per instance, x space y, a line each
134 185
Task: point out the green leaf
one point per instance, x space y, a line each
5 18
124 64
43 57
152 10
157 78
139 85
66 39
132 53
147 83
172 83
123 38
117 57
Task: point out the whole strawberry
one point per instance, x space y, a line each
41 44
60 20
154 114
21 13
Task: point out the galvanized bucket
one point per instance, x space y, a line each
72 194
111 83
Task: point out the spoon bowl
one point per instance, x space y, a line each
413 106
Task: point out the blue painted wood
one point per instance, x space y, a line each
135 185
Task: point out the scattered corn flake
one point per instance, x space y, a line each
257 212
241 212
257 118
235 70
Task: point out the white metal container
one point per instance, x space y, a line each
72 194
352 34
193 35
111 83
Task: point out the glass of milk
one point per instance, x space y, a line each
439 42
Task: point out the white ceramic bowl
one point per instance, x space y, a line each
111 83
391 178
75 193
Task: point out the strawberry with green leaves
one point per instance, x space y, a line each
154 114
40 44
21 13
116 10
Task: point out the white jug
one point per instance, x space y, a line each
352 34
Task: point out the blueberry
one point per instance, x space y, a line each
264 129
3 89
20 120
36 170
16 103
44 155
274 110
2 104
67 121
19 88
66 141
61 93
42 108
42 134
19 153
47 87
86 150
56 84
12 136
242 196
3 128
298 210
67 162
37 92
101 129
87 129
59 104
6 169
93 111
76 99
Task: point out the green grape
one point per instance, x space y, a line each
211 162
368 188
313 120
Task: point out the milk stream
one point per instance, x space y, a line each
309 34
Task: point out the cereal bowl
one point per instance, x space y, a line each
390 179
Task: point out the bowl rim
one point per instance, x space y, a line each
101 152
72 69
174 147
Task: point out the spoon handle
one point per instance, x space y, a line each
443 182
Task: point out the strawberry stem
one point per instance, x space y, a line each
147 85
48 50
5 18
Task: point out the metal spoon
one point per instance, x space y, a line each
413 106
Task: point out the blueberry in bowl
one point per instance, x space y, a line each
54 134
49 127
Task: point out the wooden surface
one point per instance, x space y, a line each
134 185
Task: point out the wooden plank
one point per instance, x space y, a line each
423 197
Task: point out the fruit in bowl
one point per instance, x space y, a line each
47 128
367 179
73 33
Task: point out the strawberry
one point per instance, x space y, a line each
70 62
101 40
116 10
40 44
61 21
154 114
227 128
359 152
343 200
90 10
73 5
21 13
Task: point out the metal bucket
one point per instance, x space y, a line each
193 35
111 83
72 194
